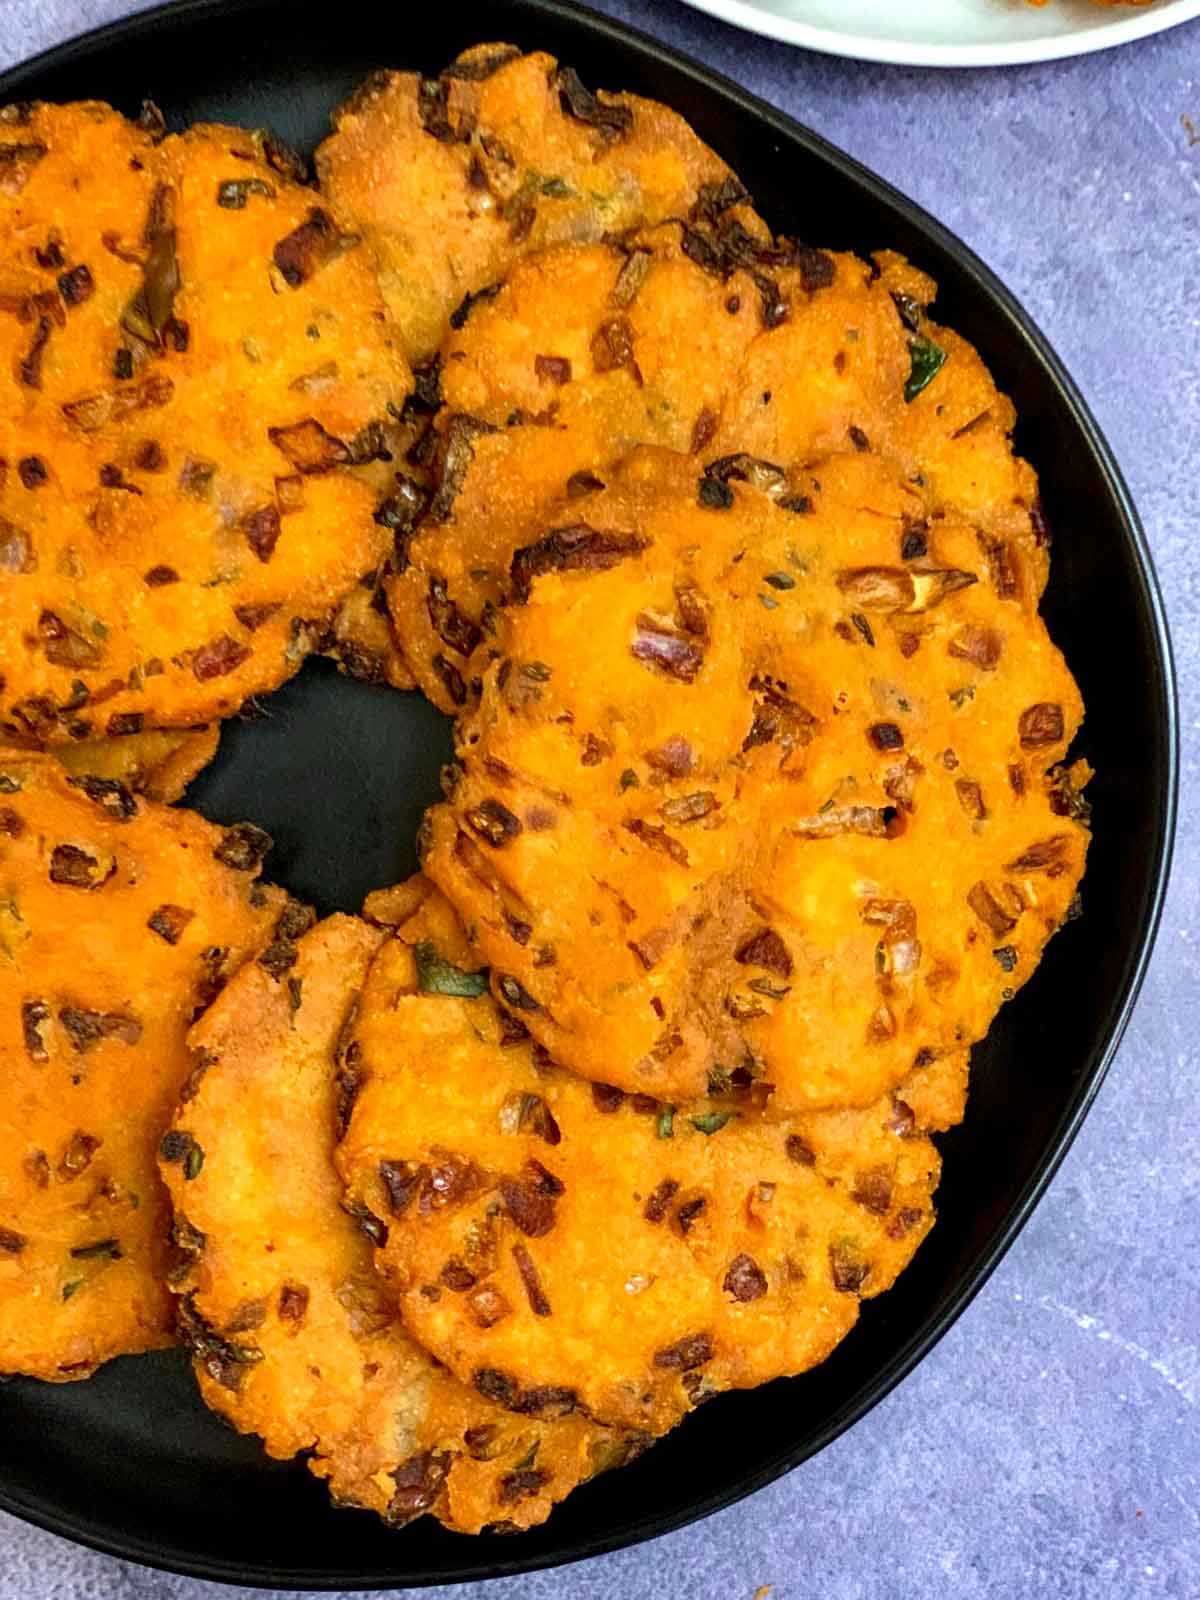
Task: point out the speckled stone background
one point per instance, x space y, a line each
1049 1448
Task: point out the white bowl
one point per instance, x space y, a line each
951 33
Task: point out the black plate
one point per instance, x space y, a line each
131 1462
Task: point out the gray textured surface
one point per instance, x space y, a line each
1050 1446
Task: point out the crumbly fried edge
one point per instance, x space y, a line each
159 763
452 179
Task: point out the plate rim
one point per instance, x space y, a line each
137 1545
751 16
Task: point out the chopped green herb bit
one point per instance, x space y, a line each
179 1147
959 697
628 779
781 580
68 1289
93 1252
666 1123
927 360
710 1122
864 627
773 991
435 976
768 603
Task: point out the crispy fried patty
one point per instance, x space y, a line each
195 356
119 921
159 763
555 1241
292 1335
765 782
709 337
